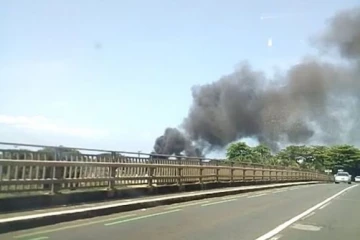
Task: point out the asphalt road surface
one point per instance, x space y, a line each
321 212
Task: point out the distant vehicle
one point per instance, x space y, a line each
357 179
342 177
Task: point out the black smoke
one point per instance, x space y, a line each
315 100
174 142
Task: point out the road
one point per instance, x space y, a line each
322 212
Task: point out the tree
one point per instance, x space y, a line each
295 156
263 152
345 156
321 158
240 151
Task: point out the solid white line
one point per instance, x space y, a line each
325 205
307 216
259 195
281 227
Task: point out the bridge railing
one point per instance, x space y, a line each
54 169
35 175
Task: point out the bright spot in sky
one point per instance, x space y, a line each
269 43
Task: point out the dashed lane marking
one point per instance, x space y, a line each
141 217
303 227
259 195
186 205
72 226
213 203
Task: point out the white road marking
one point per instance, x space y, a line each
39 238
212 203
87 223
286 224
325 205
141 217
306 227
279 191
259 195
232 197
186 205
307 216
276 237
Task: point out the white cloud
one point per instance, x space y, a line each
41 123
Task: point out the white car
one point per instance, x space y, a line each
343 177
357 179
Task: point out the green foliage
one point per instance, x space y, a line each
306 157
240 152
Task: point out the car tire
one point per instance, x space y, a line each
349 182
336 183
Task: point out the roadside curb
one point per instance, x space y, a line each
43 219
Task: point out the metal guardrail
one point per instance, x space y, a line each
22 170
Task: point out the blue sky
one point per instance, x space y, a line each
114 73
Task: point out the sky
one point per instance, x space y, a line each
113 74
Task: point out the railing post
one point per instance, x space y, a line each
231 172
55 187
244 172
201 170
52 188
150 171
288 174
292 174
179 175
217 171
254 172
281 174
112 171
263 172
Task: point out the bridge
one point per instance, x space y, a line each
148 196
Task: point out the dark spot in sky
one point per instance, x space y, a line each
98 45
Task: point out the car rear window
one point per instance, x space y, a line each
342 174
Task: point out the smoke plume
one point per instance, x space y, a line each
314 101
175 142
